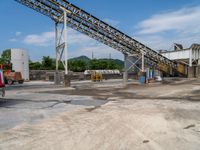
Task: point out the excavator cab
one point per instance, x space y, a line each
2 84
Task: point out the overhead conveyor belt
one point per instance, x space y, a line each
97 29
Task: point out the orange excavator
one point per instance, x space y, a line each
11 76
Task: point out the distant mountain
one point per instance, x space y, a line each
84 58
117 61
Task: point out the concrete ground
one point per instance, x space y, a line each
108 115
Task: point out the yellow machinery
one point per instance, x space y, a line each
164 67
96 76
180 68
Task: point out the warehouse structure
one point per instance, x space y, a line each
189 56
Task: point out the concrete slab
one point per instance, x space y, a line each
107 115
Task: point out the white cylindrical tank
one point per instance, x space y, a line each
20 62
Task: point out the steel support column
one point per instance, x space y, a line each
131 61
190 68
56 40
190 59
142 61
65 42
61 41
198 68
125 74
61 44
56 75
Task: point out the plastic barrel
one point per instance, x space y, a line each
142 79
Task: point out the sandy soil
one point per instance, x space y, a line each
147 117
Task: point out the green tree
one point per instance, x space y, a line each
47 63
112 65
35 65
94 64
60 65
77 65
5 57
103 64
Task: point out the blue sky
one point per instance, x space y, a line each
156 23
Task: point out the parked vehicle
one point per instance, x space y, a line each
2 84
11 76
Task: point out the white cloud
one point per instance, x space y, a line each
18 33
79 44
160 31
47 38
75 37
158 42
87 46
43 39
179 20
13 40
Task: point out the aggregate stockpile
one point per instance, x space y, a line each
97 29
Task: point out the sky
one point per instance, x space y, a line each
156 23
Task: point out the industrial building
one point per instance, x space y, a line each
189 56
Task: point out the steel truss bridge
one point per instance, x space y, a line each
65 14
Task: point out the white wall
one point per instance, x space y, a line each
175 55
20 62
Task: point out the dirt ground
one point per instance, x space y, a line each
102 116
